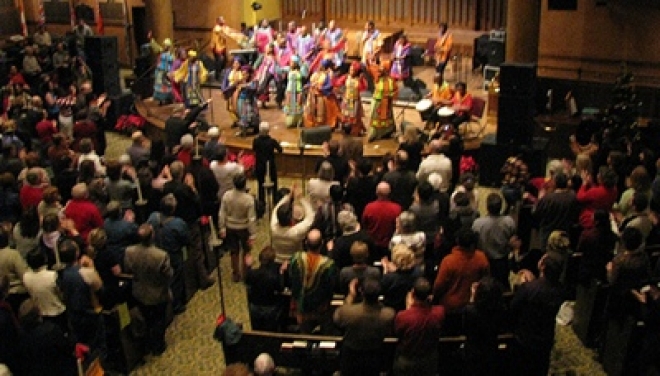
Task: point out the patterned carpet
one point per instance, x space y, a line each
193 351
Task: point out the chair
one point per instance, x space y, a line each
474 128
429 53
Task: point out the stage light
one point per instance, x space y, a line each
256 6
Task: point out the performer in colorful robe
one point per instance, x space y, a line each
351 105
327 53
162 80
283 56
293 103
219 48
177 92
233 77
335 36
263 36
382 122
292 36
266 71
246 103
443 47
192 75
306 45
400 65
321 106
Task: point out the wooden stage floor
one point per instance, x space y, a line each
217 115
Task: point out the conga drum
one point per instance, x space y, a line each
445 114
425 109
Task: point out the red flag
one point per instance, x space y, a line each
42 13
72 14
99 18
21 9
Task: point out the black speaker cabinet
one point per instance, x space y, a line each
101 53
496 52
316 136
491 159
515 119
517 79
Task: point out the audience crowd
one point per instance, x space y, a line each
403 243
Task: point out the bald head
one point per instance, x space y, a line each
383 190
435 146
314 241
79 191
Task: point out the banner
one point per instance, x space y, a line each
21 9
72 15
42 13
99 18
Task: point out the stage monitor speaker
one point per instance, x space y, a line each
563 4
101 53
496 52
316 136
518 79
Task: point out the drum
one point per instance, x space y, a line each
446 112
425 109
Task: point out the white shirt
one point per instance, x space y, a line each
224 175
437 163
42 287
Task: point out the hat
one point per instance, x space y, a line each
213 132
167 42
192 53
137 135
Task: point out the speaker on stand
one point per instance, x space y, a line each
101 53
516 104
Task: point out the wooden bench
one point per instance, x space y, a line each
321 354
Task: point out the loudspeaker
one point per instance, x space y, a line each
496 52
536 157
518 79
316 136
515 119
491 159
101 53
563 4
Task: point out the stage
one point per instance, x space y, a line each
292 162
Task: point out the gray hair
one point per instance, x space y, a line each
407 221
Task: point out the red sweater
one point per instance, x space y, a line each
85 215
592 198
379 220
30 196
458 271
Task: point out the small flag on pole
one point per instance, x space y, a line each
72 15
99 18
21 9
42 13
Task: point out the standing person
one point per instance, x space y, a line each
400 55
266 68
171 234
443 47
41 284
495 233
232 79
238 223
382 122
371 44
264 285
79 285
418 328
264 147
246 102
557 210
379 219
335 36
263 36
321 107
365 326
293 101
219 47
152 274
313 277
353 83
191 75
533 310
162 78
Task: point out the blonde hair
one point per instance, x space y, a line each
410 134
403 257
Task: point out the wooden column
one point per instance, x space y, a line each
522 31
160 18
